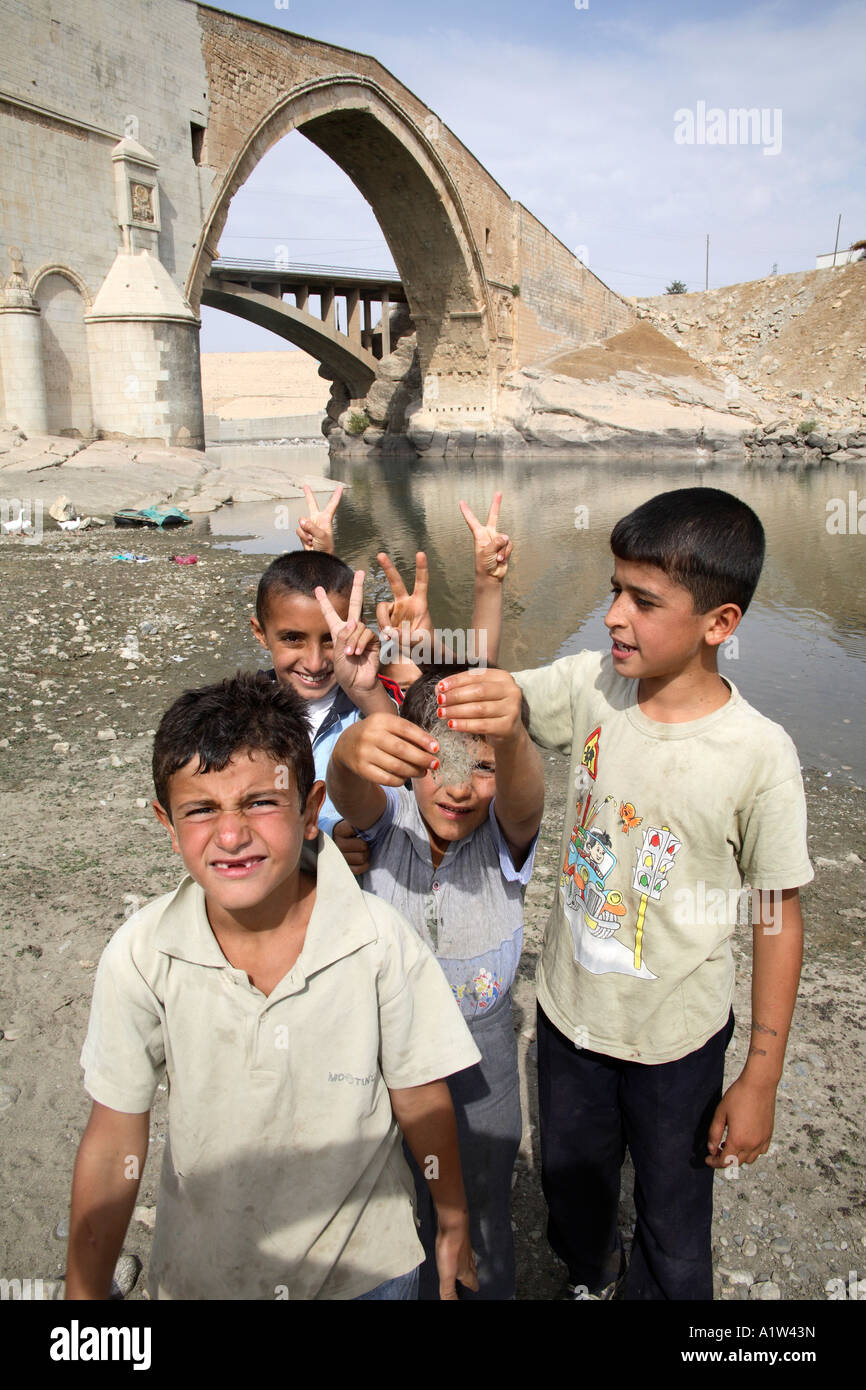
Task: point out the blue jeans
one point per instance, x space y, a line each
405 1286
590 1107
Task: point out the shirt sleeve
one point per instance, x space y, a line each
548 693
506 862
124 1052
773 848
374 832
423 1036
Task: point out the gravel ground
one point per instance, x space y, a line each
95 651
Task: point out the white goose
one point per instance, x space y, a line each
17 525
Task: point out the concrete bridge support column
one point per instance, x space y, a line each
353 316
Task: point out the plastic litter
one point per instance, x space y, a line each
152 516
185 559
128 555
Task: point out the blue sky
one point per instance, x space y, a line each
573 112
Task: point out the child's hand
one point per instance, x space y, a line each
483 702
405 607
748 1110
354 850
492 547
316 531
455 1259
356 647
386 749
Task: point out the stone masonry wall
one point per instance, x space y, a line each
561 303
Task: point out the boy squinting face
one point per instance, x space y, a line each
297 636
240 831
451 812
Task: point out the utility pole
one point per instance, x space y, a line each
707 268
836 247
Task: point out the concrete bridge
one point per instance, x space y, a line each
257 290
125 136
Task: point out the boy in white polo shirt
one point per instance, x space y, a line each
300 1024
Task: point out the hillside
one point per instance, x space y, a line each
260 385
798 341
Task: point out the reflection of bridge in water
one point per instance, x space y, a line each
278 297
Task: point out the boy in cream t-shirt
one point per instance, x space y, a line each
680 793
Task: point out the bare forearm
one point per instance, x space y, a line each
359 800
777 958
426 1116
375 701
487 616
104 1188
519 789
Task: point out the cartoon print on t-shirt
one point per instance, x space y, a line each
595 909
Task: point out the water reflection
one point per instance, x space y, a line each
801 648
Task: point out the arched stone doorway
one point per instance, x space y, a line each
62 300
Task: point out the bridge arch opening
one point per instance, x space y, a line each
395 166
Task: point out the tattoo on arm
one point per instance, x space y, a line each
757 1052
762 1028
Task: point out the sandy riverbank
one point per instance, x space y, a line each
81 848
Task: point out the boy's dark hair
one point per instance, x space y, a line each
418 705
248 712
704 539
302 572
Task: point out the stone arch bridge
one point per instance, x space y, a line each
126 134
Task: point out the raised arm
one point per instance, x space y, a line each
104 1188
747 1109
488 703
383 750
405 622
426 1116
492 552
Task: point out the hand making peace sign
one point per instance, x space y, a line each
404 607
356 647
316 531
492 547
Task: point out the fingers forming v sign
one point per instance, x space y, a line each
404 607
492 547
316 531
356 647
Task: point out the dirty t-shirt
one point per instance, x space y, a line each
663 825
283 1174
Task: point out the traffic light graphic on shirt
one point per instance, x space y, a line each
655 859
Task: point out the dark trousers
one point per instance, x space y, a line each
591 1106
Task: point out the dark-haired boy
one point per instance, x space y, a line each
298 1022
696 793
289 623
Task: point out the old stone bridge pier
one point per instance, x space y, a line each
126 132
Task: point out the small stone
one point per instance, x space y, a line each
126 1272
61 1230
104 735
141 802
781 1245
4 743
788 1209
740 1276
60 748
115 760
147 1215
766 1292
750 1249
8 1094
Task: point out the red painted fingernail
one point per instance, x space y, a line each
450 723
440 713
434 764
